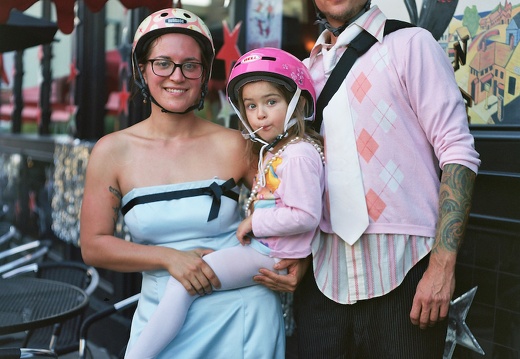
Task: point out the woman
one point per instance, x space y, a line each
173 177
287 197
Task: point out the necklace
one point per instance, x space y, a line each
258 186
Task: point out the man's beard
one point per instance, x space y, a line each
345 17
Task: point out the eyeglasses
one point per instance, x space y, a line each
164 68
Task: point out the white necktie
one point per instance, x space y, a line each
348 209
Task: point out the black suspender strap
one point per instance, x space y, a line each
355 49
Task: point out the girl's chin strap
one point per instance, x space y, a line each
251 135
264 149
248 133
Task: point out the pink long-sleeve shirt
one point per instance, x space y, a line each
294 186
409 121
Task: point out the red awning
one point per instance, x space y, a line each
486 78
65 9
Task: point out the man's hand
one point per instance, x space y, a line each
296 269
432 297
431 302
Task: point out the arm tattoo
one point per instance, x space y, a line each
455 196
116 209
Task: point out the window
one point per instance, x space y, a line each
511 87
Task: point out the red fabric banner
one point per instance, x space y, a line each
65 9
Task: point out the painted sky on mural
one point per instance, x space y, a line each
397 10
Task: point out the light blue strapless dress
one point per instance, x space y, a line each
235 324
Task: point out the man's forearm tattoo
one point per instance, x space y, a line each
455 196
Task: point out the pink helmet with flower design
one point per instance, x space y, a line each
271 64
173 20
282 68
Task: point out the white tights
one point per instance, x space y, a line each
234 267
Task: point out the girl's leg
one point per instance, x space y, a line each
165 322
235 268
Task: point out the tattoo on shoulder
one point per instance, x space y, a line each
115 192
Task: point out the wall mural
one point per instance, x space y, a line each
481 39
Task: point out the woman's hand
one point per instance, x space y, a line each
296 269
193 272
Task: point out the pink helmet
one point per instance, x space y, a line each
274 65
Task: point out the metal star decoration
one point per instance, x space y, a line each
226 111
458 331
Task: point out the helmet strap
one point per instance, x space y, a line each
251 135
140 82
288 123
290 110
267 147
145 92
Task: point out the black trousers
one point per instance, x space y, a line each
377 328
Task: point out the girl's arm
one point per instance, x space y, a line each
301 191
244 231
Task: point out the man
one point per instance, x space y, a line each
387 293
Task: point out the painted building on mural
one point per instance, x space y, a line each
501 16
513 67
490 75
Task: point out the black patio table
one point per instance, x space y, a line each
29 303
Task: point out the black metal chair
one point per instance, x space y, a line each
115 308
19 353
61 338
23 254
7 233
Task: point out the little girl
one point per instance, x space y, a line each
272 94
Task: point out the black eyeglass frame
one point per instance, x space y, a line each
181 66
